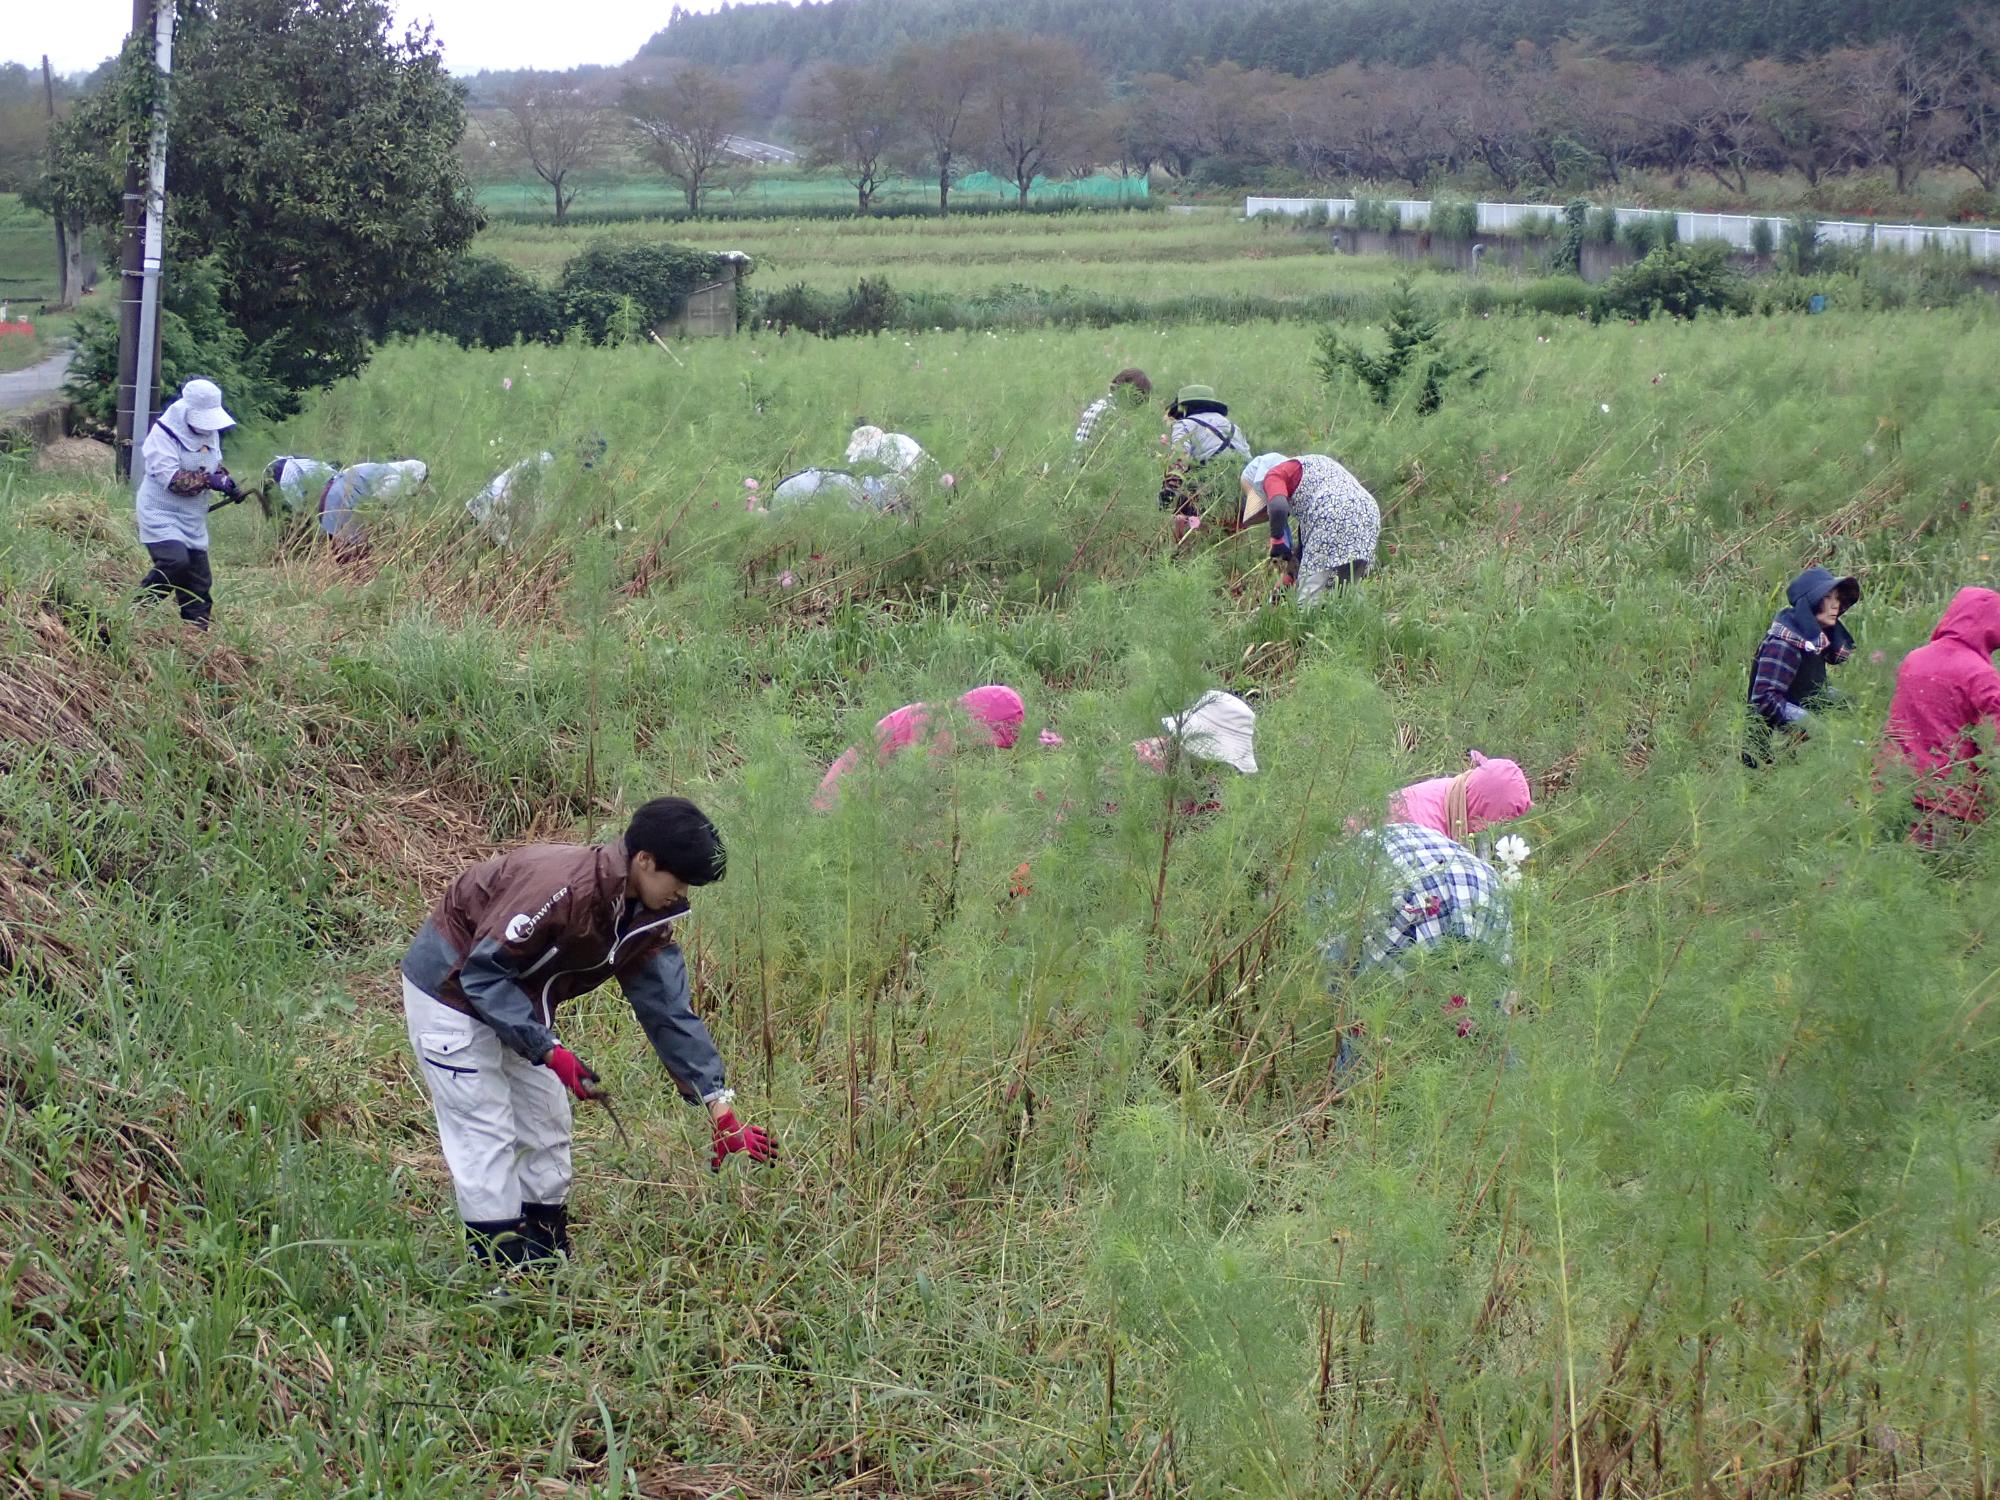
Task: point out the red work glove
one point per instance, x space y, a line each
732 1135
570 1068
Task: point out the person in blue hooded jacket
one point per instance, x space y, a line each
1788 676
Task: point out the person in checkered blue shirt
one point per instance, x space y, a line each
1430 889
1423 889
1129 388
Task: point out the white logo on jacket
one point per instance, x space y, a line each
521 926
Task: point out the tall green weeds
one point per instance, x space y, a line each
1070 1201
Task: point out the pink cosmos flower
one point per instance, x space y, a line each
787 578
1505 477
749 483
947 480
1050 738
506 382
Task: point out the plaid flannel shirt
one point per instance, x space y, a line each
1432 889
1777 664
1086 426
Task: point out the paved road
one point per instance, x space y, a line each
35 385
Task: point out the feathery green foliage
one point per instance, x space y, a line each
1068 1204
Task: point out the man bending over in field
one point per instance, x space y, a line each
511 940
1129 388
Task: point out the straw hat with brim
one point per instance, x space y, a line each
1254 502
203 400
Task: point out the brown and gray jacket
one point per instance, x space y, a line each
520 933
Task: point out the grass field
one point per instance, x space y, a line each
1168 262
1067 1205
766 188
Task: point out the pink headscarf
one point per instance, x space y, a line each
996 713
1493 791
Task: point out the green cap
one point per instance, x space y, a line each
1189 393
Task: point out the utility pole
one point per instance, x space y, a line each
61 214
146 374
131 277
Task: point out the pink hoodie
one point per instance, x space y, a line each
1943 691
996 713
1496 791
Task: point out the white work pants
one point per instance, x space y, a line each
503 1121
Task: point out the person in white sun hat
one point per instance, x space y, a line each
1221 728
182 463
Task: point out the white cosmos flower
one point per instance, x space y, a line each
1510 877
1512 850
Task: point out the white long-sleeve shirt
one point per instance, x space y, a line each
171 446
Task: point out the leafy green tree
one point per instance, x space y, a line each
314 157
196 338
312 161
78 186
1416 364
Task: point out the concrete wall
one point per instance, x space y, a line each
710 311
1599 259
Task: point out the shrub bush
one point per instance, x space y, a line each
1644 235
1558 296
196 339
872 307
1417 362
1376 213
483 302
616 292
1762 239
1454 219
1680 280
1801 245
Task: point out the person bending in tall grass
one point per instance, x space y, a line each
993 717
1129 389
1788 675
1488 792
1204 446
1947 699
1404 889
1324 524
512 939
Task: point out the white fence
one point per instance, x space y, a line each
1979 242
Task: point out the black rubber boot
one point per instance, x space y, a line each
506 1242
547 1224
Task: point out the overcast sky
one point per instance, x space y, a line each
79 34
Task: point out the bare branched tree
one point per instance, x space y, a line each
559 134
684 127
1036 110
938 86
849 117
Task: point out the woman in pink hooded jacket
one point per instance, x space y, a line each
994 711
1944 691
1492 791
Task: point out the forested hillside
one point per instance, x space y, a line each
1129 37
